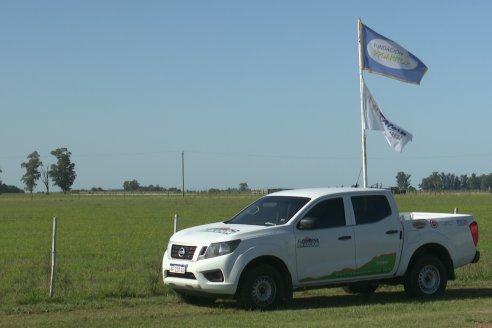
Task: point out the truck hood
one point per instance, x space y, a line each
215 232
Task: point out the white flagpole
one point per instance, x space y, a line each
361 82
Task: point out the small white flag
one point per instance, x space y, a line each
375 119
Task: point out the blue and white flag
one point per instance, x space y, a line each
375 119
382 56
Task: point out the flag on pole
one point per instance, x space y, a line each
375 119
382 56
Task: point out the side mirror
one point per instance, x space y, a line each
308 223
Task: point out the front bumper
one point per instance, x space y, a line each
197 278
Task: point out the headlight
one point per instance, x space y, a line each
218 249
169 247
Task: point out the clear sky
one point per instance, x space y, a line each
262 92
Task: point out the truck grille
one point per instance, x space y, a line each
182 252
187 275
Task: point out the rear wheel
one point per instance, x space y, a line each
262 288
427 278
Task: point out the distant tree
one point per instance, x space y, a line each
463 182
154 188
32 171
132 185
411 189
449 181
403 180
243 186
474 182
486 182
9 189
45 178
432 182
63 172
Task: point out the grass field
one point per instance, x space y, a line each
109 257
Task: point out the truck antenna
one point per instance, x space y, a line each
356 185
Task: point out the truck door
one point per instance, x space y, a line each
325 246
378 234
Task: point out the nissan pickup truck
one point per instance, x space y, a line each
292 240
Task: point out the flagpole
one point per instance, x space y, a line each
361 83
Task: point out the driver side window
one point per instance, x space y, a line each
329 213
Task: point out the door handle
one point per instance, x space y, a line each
392 232
344 237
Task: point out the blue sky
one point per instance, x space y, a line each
263 92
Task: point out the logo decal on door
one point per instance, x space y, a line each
308 242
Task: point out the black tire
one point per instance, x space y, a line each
426 278
194 299
361 288
262 288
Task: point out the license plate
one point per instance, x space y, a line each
178 268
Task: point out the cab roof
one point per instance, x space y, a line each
320 192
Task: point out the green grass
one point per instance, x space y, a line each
109 257
106 246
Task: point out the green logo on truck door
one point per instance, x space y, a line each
378 265
308 242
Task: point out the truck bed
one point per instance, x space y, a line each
409 216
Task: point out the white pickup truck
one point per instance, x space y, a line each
314 238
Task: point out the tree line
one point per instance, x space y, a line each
449 181
134 185
440 181
9 189
62 174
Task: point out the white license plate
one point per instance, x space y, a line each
178 268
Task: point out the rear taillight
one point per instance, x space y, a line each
474 232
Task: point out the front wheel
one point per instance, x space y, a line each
262 288
427 278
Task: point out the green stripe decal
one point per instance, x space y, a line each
378 265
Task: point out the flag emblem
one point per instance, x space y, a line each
384 56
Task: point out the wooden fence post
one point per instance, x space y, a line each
53 259
176 222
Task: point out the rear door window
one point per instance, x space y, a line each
370 209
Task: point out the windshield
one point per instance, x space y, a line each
270 210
